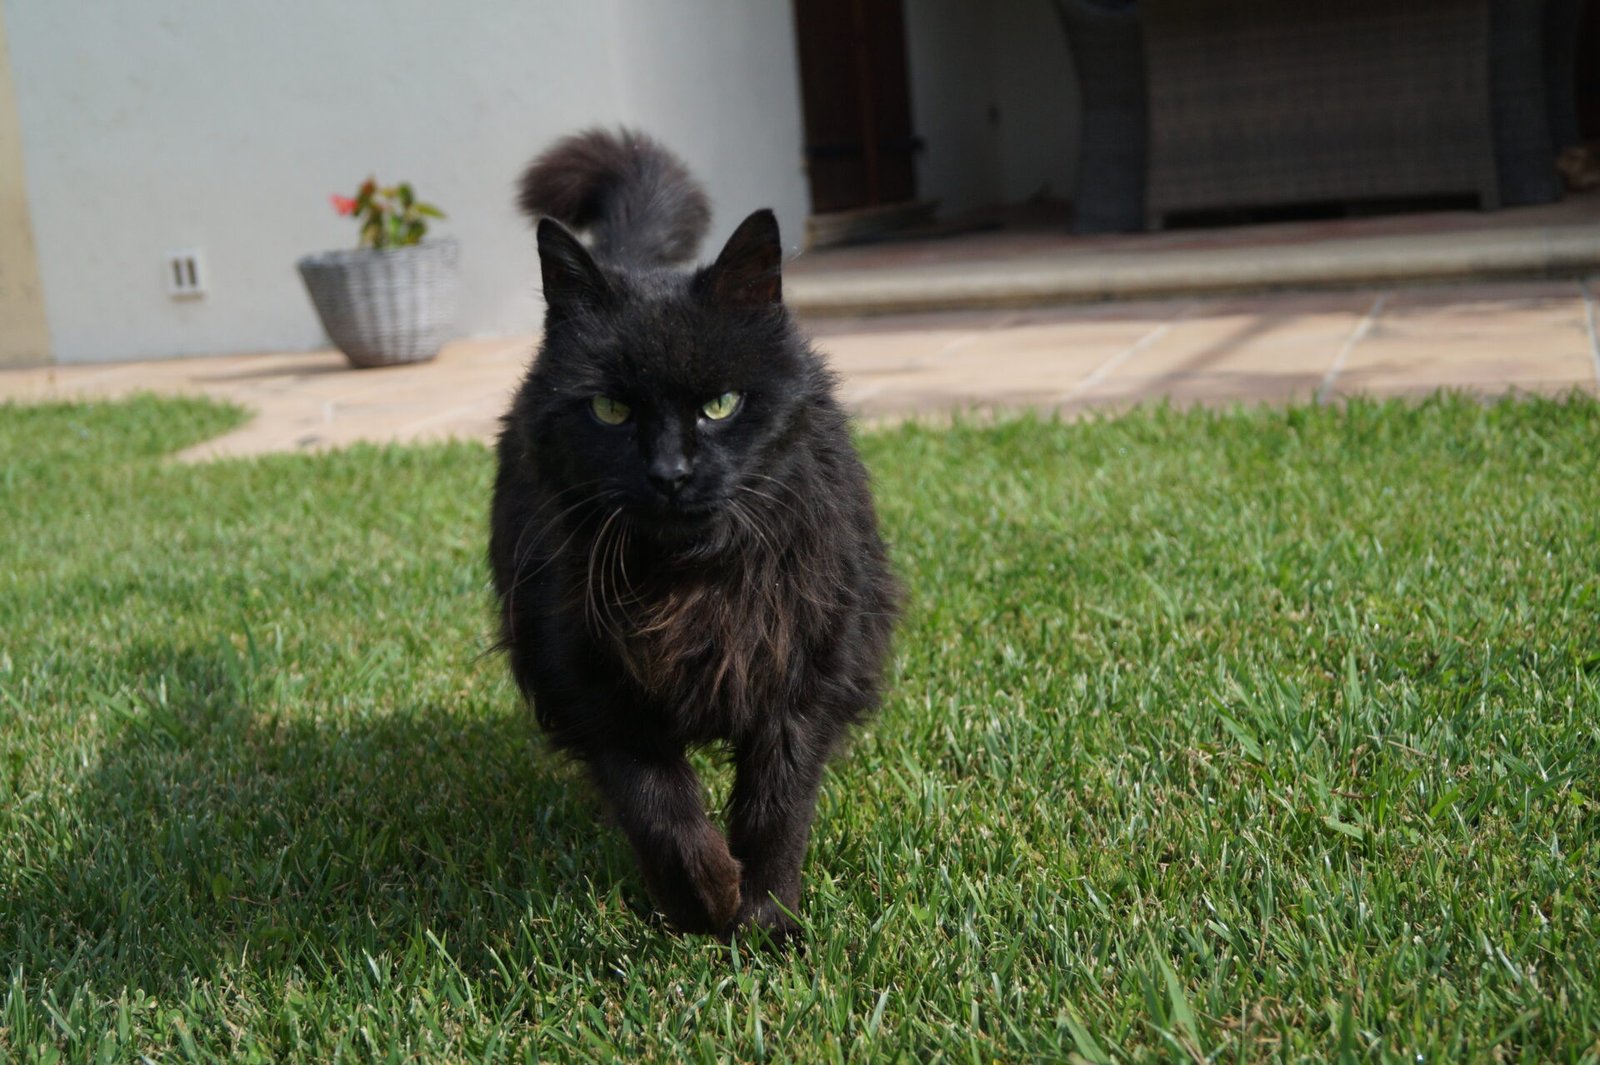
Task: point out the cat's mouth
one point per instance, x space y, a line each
683 518
699 514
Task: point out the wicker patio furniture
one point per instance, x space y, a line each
1262 102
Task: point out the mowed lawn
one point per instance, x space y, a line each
1238 736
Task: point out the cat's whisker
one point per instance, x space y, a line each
748 521
530 523
798 517
591 611
747 490
770 583
588 582
781 484
793 557
613 600
630 596
518 560
518 577
600 559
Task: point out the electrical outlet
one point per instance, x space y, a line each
186 274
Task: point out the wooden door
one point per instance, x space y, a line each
857 102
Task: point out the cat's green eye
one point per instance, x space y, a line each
609 411
721 407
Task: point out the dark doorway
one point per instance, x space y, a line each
857 102
1588 73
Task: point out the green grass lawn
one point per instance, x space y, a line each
1237 736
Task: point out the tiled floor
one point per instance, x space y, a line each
1533 336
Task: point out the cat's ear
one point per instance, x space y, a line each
748 273
572 279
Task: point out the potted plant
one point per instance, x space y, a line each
393 298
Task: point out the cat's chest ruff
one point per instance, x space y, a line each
712 649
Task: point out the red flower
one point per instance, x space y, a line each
343 204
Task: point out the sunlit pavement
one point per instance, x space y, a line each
1308 347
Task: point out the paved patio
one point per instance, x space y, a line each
1537 336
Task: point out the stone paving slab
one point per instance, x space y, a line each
1535 335
1239 350
1485 338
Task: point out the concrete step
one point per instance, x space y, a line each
1057 276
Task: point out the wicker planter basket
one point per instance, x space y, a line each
385 307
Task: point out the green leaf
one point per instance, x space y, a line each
1086 1043
1245 738
1344 828
1182 1015
1347 1049
1444 802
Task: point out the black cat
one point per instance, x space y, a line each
683 540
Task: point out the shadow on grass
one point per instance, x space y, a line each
217 831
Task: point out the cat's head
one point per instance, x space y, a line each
668 394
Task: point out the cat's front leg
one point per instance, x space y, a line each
769 824
685 860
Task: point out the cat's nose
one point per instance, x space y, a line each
668 474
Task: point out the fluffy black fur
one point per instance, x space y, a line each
637 201
675 580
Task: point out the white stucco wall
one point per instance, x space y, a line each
170 124
719 81
994 98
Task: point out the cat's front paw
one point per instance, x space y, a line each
714 876
695 885
766 921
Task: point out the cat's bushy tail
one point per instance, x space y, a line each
636 199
